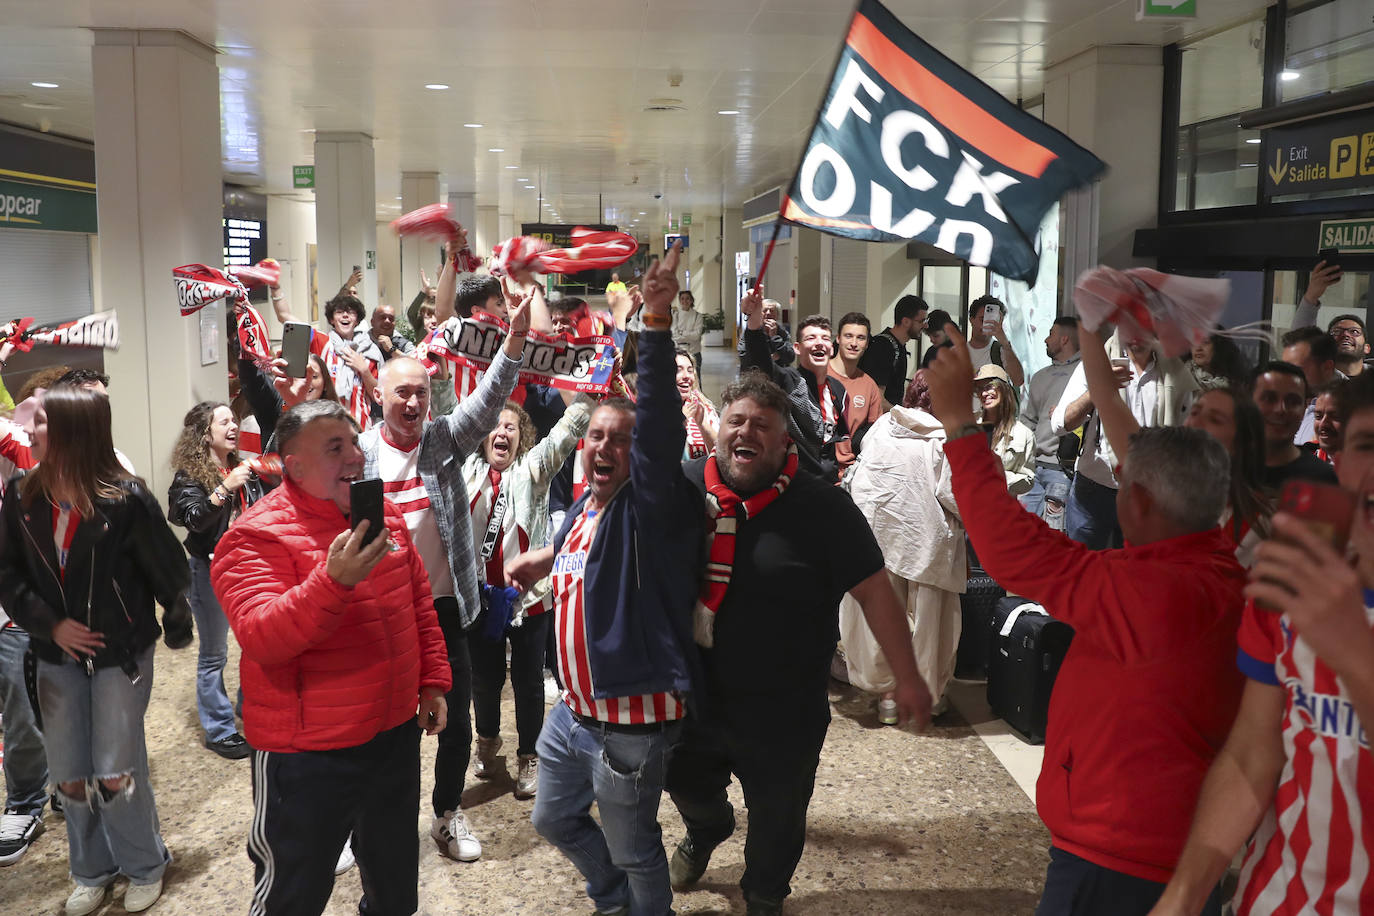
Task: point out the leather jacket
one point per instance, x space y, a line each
188 505
122 558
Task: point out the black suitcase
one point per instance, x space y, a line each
1023 664
976 605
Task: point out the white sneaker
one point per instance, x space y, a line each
487 749
141 896
454 836
85 900
345 858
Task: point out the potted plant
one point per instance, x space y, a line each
713 329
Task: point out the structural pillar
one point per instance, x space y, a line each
160 202
462 206
418 189
345 212
488 230
1109 100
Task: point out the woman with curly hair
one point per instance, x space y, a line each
210 489
509 481
1218 361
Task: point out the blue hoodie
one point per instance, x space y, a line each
644 566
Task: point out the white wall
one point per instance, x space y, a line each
290 227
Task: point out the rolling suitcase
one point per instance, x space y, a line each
976 605
1027 648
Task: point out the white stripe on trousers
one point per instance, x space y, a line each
257 835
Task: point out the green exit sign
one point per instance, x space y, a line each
302 176
1165 9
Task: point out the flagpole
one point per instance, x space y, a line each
768 254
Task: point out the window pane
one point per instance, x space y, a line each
940 288
1222 74
1350 296
1328 46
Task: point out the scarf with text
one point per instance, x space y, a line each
726 510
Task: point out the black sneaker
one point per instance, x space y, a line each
17 833
235 747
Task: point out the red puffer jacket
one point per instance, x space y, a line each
324 666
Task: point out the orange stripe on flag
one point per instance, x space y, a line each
945 103
797 214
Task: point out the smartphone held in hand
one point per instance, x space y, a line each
295 347
1326 509
992 313
365 502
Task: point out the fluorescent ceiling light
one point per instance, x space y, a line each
42 85
472 125
1253 140
512 166
1289 75
728 111
436 85
496 149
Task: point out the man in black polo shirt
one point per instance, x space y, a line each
1280 392
885 360
786 547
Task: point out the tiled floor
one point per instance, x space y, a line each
899 823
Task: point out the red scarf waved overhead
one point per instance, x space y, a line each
726 510
591 250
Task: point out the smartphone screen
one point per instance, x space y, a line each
365 502
295 347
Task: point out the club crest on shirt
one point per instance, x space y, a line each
859 401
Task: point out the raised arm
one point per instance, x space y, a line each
1010 362
1104 383
757 354
476 414
1075 403
547 457
447 291
659 434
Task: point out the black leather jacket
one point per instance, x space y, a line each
122 558
188 505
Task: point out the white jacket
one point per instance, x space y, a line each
902 485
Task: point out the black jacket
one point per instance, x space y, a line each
122 558
188 505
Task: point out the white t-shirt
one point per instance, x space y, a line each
980 356
401 481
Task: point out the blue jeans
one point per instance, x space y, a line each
94 731
26 763
212 703
1052 484
623 772
1090 516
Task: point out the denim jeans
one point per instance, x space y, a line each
26 763
622 772
1051 484
1076 887
212 703
1090 516
93 731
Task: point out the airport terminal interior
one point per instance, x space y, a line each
137 137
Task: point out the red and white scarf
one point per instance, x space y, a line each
726 510
591 250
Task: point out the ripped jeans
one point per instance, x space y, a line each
623 772
93 729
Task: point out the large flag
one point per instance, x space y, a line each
909 145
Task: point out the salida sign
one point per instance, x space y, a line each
1336 154
908 145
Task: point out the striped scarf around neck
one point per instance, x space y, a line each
726 510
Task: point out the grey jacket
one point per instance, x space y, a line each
457 431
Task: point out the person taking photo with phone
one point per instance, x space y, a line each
1295 773
341 646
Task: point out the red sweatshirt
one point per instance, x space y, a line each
1150 686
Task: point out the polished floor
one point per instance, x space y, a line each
900 823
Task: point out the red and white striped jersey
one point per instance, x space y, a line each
250 438
65 520
1311 853
569 567
14 445
401 482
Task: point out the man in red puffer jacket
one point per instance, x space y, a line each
340 646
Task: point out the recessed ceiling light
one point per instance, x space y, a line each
307 130
398 198
472 125
436 85
42 85
728 111
496 149
1253 140
1289 75
512 166
642 213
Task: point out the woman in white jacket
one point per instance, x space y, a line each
902 485
1010 439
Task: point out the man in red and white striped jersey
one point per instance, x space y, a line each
1296 771
623 625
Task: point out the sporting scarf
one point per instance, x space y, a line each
434 224
591 250
726 510
97 330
